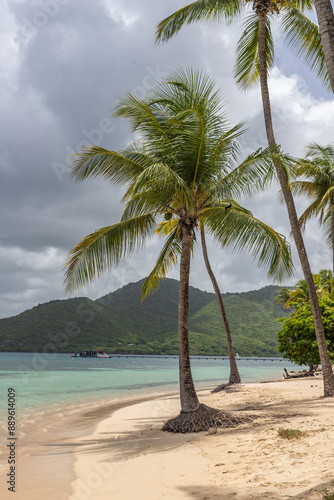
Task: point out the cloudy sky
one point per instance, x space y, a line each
63 64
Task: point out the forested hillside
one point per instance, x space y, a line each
121 323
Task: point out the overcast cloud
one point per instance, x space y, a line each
63 63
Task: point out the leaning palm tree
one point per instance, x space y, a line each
255 57
317 172
177 179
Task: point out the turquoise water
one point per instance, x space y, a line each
43 382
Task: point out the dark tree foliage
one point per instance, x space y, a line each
297 339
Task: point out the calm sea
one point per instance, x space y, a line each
46 382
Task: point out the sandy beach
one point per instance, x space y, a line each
119 452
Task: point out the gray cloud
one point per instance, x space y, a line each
63 63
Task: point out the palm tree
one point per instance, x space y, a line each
234 377
299 295
283 297
317 171
255 56
177 178
327 281
325 16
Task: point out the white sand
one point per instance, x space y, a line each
128 457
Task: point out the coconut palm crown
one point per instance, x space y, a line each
181 173
317 183
300 33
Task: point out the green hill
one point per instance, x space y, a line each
120 323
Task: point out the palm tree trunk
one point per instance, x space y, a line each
325 17
188 396
234 372
319 329
333 235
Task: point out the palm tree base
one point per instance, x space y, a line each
203 419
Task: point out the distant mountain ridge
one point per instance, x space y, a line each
120 322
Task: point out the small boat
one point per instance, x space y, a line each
237 356
90 354
102 355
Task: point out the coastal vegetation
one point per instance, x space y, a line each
290 434
297 338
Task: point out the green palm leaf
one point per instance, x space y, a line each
250 176
164 183
105 248
242 232
168 258
303 36
247 66
119 167
197 11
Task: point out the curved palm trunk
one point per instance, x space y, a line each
333 234
188 396
234 372
325 17
319 329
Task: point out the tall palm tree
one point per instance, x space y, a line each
255 56
317 171
177 179
325 16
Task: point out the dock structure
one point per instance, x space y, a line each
166 356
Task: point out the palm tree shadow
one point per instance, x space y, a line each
147 437
214 492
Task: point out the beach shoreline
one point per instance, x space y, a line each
118 450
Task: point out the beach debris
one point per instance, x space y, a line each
299 374
203 419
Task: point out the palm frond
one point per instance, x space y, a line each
327 227
201 10
311 211
316 151
168 258
226 148
303 187
163 183
303 36
104 249
242 232
247 66
141 203
142 115
119 167
250 176
166 227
